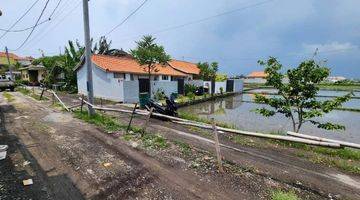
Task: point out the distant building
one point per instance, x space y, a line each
33 73
256 77
24 61
334 79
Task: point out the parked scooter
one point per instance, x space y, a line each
169 109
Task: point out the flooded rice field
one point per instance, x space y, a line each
238 110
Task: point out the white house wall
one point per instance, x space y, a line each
131 91
219 85
104 84
168 87
238 85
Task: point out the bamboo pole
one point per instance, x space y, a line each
131 118
262 135
82 103
62 103
342 143
217 146
147 119
206 126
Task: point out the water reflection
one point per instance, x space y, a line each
237 110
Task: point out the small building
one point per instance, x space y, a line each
33 73
256 77
334 79
121 78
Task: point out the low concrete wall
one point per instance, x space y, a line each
168 87
238 85
131 91
219 85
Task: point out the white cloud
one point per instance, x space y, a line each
329 47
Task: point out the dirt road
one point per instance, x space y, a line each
70 159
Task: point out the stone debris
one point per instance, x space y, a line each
107 164
28 182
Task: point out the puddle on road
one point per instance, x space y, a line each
57 117
347 180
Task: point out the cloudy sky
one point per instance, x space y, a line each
235 33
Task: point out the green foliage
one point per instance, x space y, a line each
221 90
9 97
191 95
159 94
154 141
150 55
221 77
208 71
189 88
282 195
106 122
298 98
184 147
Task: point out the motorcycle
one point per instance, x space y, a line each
169 109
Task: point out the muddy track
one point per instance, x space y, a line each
61 146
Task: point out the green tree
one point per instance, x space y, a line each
208 73
72 58
150 55
297 99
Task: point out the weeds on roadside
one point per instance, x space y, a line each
9 97
282 195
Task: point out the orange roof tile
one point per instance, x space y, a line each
129 65
11 55
186 67
257 74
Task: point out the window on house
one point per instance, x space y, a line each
156 78
131 77
119 75
165 77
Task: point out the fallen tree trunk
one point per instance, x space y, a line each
342 143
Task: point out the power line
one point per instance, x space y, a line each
122 22
17 21
43 22
43 34
25 29
203 19
32 30
57 5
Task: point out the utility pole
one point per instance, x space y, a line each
8 59
89 82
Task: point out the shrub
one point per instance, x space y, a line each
221 90
190 88
191 95
159 94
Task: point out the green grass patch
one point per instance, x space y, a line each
154 141
9 97
106 122
184 148
282 195
27 92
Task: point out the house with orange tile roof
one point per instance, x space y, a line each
190 69
256 77
122 79
24 61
